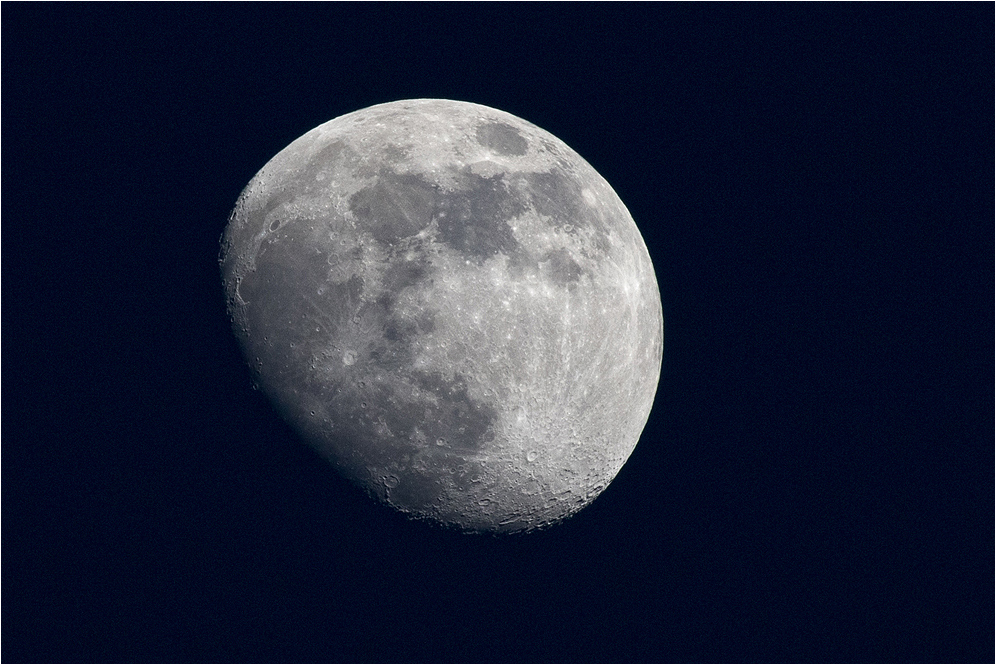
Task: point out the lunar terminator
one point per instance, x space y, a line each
451 306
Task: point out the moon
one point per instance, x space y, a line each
451 306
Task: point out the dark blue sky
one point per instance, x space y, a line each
815 186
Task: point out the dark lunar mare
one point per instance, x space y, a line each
502 138
472 220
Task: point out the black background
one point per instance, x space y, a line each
815 186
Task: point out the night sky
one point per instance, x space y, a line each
815 483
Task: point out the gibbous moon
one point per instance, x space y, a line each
451 306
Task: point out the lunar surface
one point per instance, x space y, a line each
451 306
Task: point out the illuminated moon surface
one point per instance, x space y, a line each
452 307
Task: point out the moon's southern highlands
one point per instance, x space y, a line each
451 306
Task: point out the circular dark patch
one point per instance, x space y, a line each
502 138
